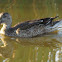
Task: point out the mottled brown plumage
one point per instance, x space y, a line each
28 28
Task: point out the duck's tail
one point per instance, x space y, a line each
52 23
52 18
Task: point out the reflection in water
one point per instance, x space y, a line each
34 8
7 50
36 49
39 49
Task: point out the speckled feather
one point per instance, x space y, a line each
25 29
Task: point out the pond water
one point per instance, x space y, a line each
46 48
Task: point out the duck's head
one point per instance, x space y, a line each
5 18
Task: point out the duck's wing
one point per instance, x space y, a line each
22 25
29 24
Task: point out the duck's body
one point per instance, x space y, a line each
26 29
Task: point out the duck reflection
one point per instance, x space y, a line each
37 49
7 48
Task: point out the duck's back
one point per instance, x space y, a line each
32 28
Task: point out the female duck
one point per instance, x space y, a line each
28 28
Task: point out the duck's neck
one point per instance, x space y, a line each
4 28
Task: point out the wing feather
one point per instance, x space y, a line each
29 24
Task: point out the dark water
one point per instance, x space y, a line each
39 49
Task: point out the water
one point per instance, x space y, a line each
39 49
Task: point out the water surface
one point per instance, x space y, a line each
39 49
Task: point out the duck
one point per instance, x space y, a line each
29 28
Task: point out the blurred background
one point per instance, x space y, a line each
22 10
39 49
